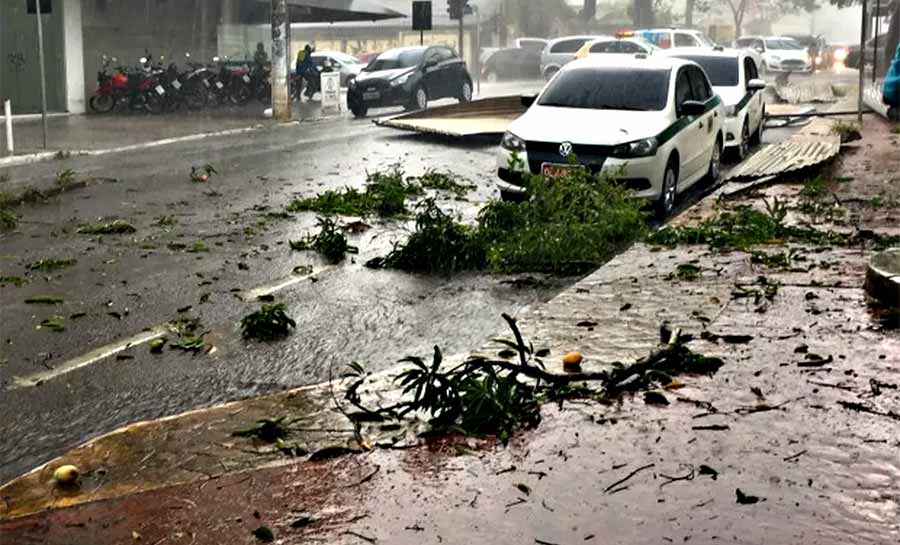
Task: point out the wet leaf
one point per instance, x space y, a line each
44 300
77 315
506 353
266 298
745 499
524 488
182 310
264 534
122 357
626 306
55 323
655 398
114 314
737 339
156 345
586 323
305 520
542 353
706 470
328 453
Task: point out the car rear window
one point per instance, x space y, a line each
568 46
609 89
721 71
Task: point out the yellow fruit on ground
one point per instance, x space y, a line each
572 359
66 474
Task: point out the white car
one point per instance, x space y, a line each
733 75
618 45
779 53
666 38
652 121
561 51
348 65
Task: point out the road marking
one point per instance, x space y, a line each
256 293
143 337
87 359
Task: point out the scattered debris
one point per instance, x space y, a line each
44 300
626 478
264 534
203 173
117 227
266 430
65 474
51 265
745 499
330 241
706 470
54 323
16 281
269 323
849 132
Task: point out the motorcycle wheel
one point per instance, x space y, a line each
241 94
195 98
153 103
102 104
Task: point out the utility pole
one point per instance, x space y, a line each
862 59
281 49
40 33
462 54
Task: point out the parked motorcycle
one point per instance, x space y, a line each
112 87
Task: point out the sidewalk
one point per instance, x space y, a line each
802 418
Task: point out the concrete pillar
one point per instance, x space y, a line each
73 54
281 64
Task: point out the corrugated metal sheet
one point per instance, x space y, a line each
806 92
486 117
788 156
872 96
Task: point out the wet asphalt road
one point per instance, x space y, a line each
124 284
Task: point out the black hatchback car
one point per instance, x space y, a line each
410 77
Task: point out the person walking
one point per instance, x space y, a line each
305 70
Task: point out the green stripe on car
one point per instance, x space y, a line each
682 123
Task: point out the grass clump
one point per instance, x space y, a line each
198 247
56 324
44 300
444 181
848 132
52 265
814 188
65 178
330 241
117 227
8 220
189 333
269 323
569 225
743 227
16 281
385 195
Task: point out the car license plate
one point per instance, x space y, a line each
176 84
246 79
553 170
160 90
373 95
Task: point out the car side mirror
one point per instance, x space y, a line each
756 85
528 100
692 107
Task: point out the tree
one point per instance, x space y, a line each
642 13
693 6
769 10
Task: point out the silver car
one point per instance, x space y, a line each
560 52
348 65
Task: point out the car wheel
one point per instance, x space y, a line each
512 196
465 91
756 137
153 103
666 202
715 163
550 72
743 148
358 109
419 98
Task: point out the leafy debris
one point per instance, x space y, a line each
117 227
269 323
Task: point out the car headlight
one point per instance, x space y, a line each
401 80
512 142
639 148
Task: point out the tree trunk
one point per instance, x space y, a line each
589 10
689 13
643 13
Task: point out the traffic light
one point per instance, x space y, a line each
456 8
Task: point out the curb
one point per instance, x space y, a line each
883 277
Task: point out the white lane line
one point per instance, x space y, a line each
87 359
256 293
143 337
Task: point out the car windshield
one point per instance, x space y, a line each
345 58
722 71
609 89
783 44
704 40
397 58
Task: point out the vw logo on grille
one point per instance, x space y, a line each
565 149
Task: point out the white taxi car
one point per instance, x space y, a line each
653 121
733 75
617 44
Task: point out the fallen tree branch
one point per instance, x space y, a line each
630 475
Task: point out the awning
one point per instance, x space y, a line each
337 11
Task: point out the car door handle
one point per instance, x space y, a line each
701 125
